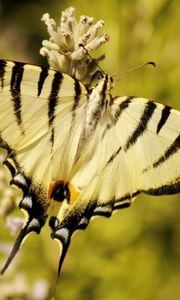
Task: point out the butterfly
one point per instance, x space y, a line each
82 148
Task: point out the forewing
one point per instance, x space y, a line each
38 109
151 142
136 149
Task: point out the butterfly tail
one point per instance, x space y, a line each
63 235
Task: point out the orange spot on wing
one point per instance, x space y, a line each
74 193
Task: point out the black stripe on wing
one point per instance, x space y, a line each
125 201
175 146
9 163
15 89
52 102
166 189
2 71
104 89
122 106
42 77
164 117
113 156
142 125
96 112
77 89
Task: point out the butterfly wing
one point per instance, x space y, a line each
137 149
35 105
39 111
151 142
107 155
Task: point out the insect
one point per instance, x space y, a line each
89 151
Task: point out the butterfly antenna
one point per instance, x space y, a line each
15 249
152 63
93 60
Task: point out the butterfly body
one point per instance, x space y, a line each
91 152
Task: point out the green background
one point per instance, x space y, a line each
136 253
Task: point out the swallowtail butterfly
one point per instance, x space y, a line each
91 152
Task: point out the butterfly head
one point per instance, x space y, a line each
101 79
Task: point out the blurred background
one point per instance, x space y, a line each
136 253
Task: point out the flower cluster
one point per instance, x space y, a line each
70 44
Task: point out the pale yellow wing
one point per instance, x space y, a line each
137 149
40 110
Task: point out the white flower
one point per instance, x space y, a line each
70 43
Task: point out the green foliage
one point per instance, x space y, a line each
136 254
